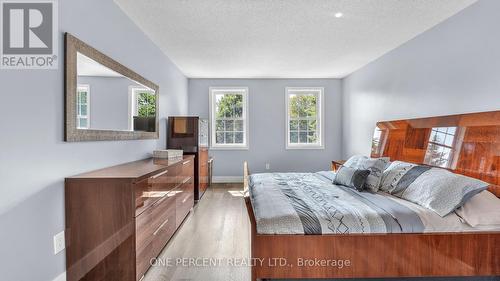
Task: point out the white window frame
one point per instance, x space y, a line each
132 101
246 137
86 88
319 123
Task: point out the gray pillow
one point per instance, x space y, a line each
437 189
352 178
376 166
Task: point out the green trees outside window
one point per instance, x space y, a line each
303 112
229 123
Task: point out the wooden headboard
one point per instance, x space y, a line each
467 144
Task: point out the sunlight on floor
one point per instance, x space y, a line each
236 193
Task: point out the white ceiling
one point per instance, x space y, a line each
282 38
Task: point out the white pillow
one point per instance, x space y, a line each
482 209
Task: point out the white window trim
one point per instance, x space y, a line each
211 104
87 89
321 125
132 102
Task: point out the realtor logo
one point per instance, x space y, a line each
29 34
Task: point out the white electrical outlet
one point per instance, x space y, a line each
268 166
59 243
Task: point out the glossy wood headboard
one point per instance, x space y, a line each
467 144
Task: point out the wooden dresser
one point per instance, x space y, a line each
120 217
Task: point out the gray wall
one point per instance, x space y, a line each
33 157
452 68
109 101
266 99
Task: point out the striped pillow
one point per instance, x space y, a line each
434 188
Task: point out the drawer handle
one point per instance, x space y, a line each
160 227
185 199
186 162
159 175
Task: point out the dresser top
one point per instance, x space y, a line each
133 170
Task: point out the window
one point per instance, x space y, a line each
143 104
304 114
83 107
441 147
229 118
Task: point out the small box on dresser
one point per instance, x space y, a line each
168 153
120 217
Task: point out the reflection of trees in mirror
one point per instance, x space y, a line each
440 147
435 154
146 104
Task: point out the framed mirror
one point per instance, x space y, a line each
104 99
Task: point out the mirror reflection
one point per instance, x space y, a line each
442 147
107 100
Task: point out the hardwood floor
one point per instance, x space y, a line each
217 229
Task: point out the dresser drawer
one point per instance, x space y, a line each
184 200
187 169
154 227
154 188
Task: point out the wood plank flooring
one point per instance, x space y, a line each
217 229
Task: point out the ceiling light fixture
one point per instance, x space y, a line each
339 15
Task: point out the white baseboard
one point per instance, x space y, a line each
227 179
61 277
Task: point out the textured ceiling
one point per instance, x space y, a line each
282 38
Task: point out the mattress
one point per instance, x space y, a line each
308 203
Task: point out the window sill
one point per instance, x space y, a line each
305 147
229 148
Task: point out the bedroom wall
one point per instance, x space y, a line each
452 68
34 160
267 126
104 93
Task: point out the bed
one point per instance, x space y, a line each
376 235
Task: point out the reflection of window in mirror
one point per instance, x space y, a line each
378 140
443 143
83 107
142 105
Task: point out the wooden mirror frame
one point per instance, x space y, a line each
73 46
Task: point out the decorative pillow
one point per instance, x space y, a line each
392 175
351 177
376 166
437 189
481 210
